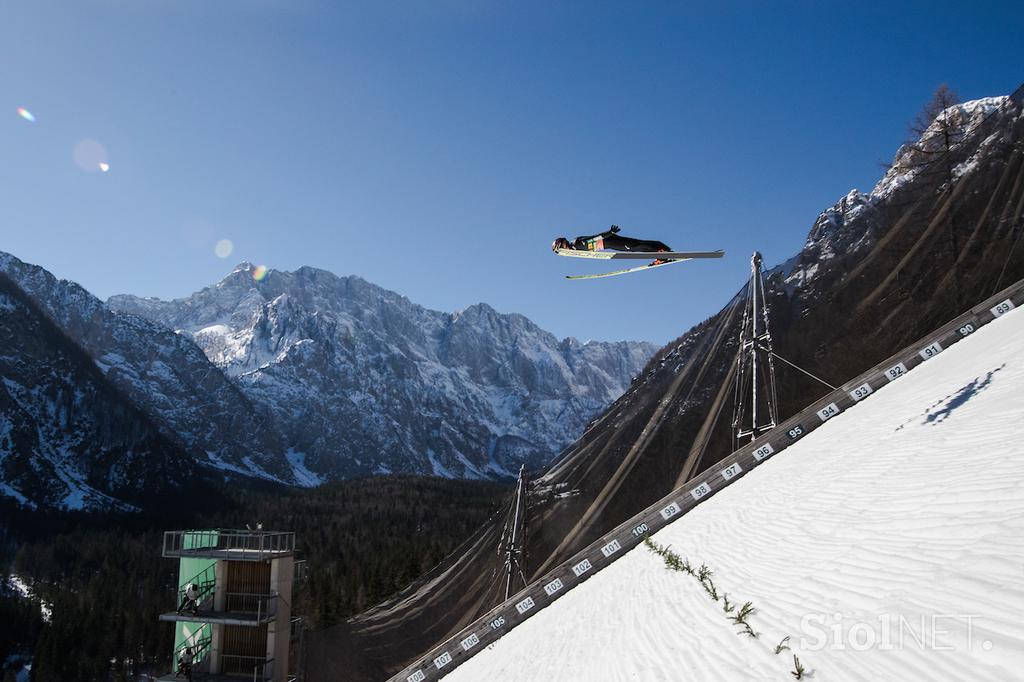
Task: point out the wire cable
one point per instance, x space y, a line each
797 367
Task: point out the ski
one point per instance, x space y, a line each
649 266
635 255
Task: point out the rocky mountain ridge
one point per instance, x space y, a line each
69 439
360 380
295 378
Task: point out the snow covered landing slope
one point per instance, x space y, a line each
888 544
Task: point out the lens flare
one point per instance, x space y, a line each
90 156
259 272
26 114
104 167
223 248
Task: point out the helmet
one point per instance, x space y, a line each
560 243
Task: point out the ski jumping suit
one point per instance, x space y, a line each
612 240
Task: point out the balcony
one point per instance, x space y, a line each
240 608
233 669
247 667
200 646
235 545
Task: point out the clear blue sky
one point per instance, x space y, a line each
436 148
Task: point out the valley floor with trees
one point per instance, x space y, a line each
104 579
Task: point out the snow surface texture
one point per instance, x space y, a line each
888 544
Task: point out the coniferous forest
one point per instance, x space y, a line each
104 580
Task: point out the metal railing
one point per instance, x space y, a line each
301 571
298 648
200 646
262 605
207 581
255 668
228 544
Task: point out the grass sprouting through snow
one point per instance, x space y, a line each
798 668
782 646
739 617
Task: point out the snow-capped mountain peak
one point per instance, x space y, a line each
360 379
853 223
911 159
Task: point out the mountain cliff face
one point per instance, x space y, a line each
939 233
359 380
163 374
68 438
297 378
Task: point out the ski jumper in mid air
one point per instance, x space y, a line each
610 245
611 240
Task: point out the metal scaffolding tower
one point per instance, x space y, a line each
755 370
513 542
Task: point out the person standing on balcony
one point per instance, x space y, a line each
190 600
185 664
